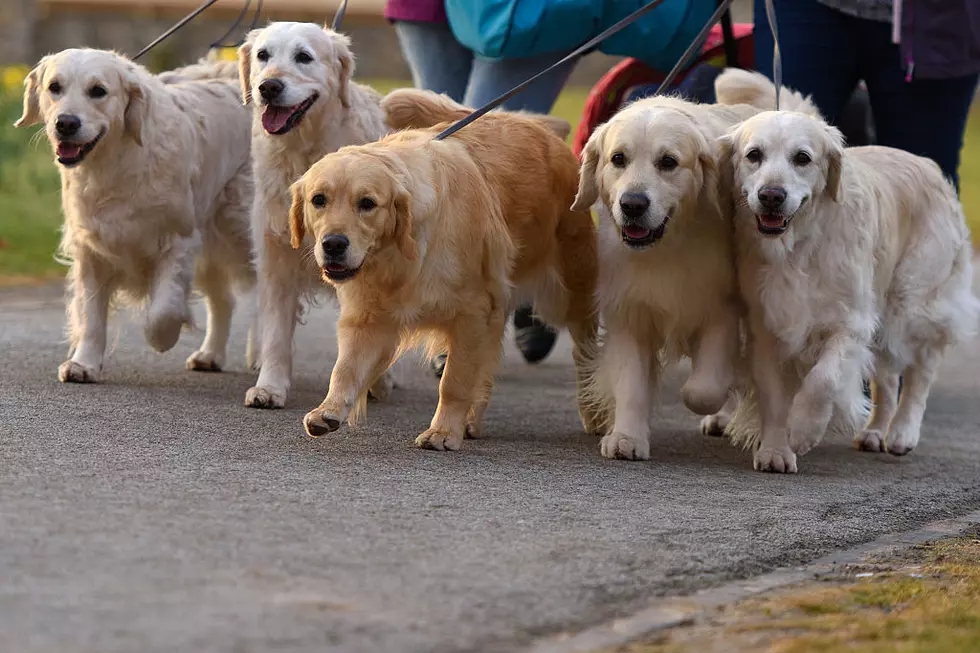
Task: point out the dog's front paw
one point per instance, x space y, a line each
259 397
902 439
779 461
204 361
715 425
73 372
163 331
381 389
439 440
870 440
320 422
704 397
626 447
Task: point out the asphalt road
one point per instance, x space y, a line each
153 512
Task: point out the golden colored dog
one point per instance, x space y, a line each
434 241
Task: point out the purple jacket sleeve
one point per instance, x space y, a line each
426 11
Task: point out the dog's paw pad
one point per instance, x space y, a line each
319 423
259 397
438 440
72 372
870 440
625 447
202 361
778 461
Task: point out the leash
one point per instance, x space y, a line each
337 19
723 6
777 58
255 21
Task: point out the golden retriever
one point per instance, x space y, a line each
851 262
666 284
434 241
297 76
156 189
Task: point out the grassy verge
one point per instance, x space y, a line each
927 601
30 206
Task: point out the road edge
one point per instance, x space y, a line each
683 610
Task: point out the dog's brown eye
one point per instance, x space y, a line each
801 159
54 87
618 159
262 55
319 200
302 57
366 204
97 92
754 155
667 163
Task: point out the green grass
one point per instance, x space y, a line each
30 206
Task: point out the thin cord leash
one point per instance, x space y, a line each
255 21
337 19
179 24
777 58
588 45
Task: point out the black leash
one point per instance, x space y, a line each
255 21
692 49
728 34
183 21
339 17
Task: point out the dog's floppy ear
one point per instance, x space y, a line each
725 165
835 155
136 106
588 188
297 216
405 224
32 103
245 66
711 188
346 59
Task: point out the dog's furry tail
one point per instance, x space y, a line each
412 108
738 86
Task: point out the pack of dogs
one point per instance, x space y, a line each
784 267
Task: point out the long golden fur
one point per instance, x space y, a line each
435 241
156 188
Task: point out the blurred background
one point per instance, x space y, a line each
30 213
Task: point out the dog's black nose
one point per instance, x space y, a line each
270 89
634 205
772 197
335 245
67 124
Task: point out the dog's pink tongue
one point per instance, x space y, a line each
632 231
275 118
69 150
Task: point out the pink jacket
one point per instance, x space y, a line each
425 11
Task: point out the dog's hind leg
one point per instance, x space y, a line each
884 404
220 303
903 434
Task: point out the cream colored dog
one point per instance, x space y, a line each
156 189
667 285
297 76
850 261
433 241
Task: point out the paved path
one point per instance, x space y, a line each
154 513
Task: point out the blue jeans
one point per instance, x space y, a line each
826 52
440 63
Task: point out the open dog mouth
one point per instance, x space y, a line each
637 236
772 224
279 120
70 154
339 272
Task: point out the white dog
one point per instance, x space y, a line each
156 189
298 78
849 261
667 286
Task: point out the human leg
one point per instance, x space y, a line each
438 62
